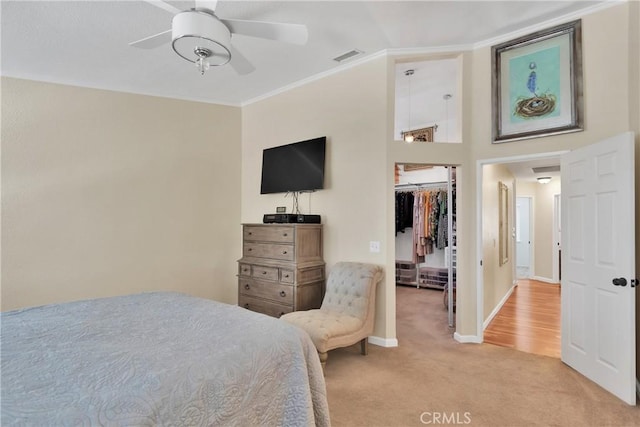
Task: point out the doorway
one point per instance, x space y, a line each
525 287
425 230
523 236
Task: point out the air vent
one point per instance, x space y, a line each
544 169
348 55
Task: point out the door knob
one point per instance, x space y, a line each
619 282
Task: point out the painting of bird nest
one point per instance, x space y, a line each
537 84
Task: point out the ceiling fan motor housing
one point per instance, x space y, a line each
198 34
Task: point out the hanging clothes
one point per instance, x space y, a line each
404 211
425 210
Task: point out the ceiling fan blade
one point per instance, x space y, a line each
153 41
207 4
239 62
288 33
163 5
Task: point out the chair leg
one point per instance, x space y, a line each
364 346
323 359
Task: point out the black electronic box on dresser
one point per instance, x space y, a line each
281 269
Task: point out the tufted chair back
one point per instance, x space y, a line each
351 289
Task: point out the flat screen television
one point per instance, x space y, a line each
294 167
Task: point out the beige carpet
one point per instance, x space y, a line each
430 379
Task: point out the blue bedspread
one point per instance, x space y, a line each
157 359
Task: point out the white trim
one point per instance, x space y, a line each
467 339
129 91
497 308
319 76
550 23
479 253
556 235
383 342
545 280
454 50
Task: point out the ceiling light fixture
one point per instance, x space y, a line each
408 136
544 179
200 38
446 97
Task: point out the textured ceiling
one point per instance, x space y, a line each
85 43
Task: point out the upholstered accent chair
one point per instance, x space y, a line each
347 312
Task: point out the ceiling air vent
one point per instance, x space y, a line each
348 55
543 169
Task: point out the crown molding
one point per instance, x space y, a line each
316 77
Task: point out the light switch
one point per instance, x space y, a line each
374 246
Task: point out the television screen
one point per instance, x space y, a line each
294 167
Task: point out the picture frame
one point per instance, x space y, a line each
503 223
537 84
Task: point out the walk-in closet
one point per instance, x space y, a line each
425 205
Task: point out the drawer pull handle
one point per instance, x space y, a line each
285 234
284 252
264 272
246 305
250 233
250 249
247 287
282 314
283 294
286 276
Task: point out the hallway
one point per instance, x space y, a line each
529 321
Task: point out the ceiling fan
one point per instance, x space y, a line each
199 36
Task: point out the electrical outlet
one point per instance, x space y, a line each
374 246
281 209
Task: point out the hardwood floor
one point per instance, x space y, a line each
529 321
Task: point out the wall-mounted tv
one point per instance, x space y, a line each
294 167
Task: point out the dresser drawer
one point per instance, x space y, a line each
277 234
266 307
244 269
287 276
268 250
283 294
265 273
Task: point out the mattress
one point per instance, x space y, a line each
157 359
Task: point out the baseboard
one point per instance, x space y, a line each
544 279
473 339
383 342
498 307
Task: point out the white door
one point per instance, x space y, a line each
598 264
523 237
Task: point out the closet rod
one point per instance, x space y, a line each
421 186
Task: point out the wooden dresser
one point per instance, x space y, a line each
281 269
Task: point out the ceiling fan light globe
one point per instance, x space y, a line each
194 32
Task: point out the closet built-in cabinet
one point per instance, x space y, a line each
281 269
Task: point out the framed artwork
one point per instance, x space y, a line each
503 223
537 84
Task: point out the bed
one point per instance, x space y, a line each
157 358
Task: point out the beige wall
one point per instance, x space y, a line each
497 279
542 197
350 109
106 193
543 233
